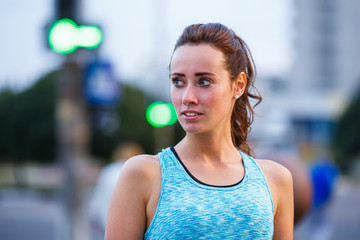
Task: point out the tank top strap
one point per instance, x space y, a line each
170 170
251 166
255 175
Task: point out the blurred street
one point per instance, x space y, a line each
25 214
341 218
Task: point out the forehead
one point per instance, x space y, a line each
197 56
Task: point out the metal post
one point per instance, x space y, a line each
73 137
73 132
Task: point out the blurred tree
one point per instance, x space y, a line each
27 121
346 141
6 96
132 124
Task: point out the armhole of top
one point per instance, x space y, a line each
263 177
163 177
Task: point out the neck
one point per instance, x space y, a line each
206 146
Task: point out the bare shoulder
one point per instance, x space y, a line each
141 162
274 171
141 167
281 187
279 180
127 211
140 173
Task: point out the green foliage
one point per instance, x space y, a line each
347 137
27 122
6 97
132 125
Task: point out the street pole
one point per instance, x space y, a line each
73 133
73 136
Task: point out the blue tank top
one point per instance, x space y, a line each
190 209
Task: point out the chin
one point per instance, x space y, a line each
190 128
194 128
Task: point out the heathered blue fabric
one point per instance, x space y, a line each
188 209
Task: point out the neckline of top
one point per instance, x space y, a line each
206 184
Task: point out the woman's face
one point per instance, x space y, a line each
201 89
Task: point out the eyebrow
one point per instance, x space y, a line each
196 74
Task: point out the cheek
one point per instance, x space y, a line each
221 103
216 98
175 98
211 100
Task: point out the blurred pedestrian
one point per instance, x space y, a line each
207 186
105 185
323 174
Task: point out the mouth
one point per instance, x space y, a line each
191 115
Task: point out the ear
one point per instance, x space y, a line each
240 84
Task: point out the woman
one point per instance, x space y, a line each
207 186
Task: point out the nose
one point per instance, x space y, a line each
189 96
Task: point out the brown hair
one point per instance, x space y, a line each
237 59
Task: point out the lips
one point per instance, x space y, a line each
190 115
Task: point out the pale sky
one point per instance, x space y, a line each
139 35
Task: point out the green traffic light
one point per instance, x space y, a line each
89 36
65 36
62 36
160 114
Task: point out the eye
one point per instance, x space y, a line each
177 82
204 82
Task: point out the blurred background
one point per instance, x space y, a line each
69 109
